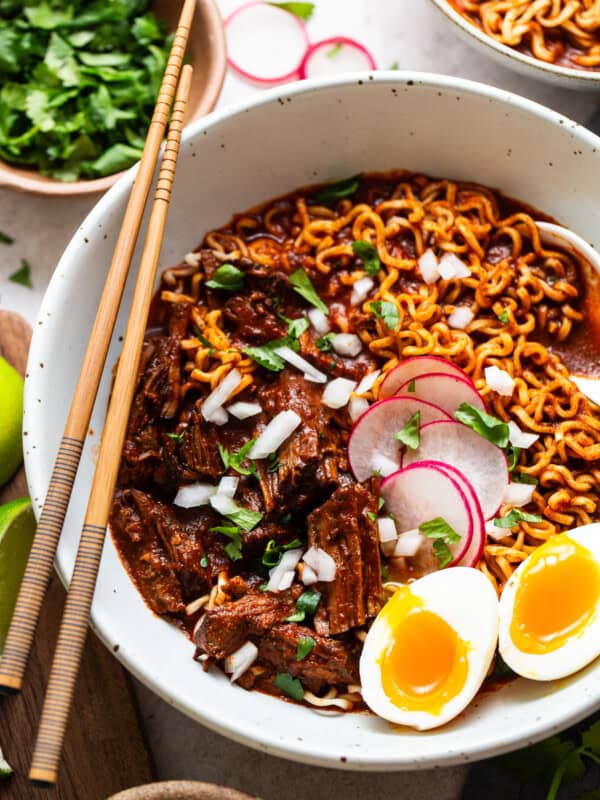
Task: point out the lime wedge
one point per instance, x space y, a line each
11 416
17 526
5 767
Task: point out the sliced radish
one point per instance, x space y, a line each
266 44
422 492
412 368
446 391
372 443
480 461
335 55
473 553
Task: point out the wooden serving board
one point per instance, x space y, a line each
104 748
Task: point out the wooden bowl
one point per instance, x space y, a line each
206 52
180 790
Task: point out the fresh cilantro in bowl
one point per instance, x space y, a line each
79 80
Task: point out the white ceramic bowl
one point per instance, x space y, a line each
521 62
296 135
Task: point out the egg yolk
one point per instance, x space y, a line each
557 596
425 664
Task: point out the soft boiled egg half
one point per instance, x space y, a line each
550 607
430 648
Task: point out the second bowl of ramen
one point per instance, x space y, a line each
557 41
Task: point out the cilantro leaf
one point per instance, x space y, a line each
177 437
296 327
245 518
304 287
5 238
512 456
289 686
523 477
410 434
227 277
234 550
234 547
303 11
503 316
274 552
22 275
266 356
383 309
368 255
443 535
304 647
491 428
306 605
514 516
236 461
325 343
337 191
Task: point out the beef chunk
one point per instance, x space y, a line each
331 661
307 471
225 628
199 453
252 320
342 528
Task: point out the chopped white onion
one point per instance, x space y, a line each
337 392
237 663
360 290
346 344
496 533
356 407
219 416
461 317
387 529
217 398
518 494
286 580
321 562
408 543
383 465
367 382
242 410
300 363
192 259
499 381
288 562
224 504
519 438
275 434
319 321
228 486
451 266
196 494
428 264
309 576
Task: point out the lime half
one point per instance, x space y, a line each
17 526
11 418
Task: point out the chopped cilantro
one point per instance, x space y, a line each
514 516
523 477
245 518
305 647
177 437
234 547
410 434
237 460
512 456
372 516
274 463
503 317
491 428
443 535
227 277
266 356
296 327
289 686
380 503
303 11
23 274
337 191
306 605
274 552
6 239
304 287
386 311
234 551
368 255
325 343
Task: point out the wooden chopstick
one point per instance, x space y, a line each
41 559
73 630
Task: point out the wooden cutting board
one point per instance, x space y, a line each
104 748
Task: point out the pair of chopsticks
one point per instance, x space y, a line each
65 667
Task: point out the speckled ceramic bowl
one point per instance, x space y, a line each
520 62
288 137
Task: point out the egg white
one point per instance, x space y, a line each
466 600
578 651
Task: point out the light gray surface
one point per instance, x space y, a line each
413 34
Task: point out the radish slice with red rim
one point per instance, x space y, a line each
473 552
480 461
424 491
335 55
265 44
414 367
445 391
372 441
